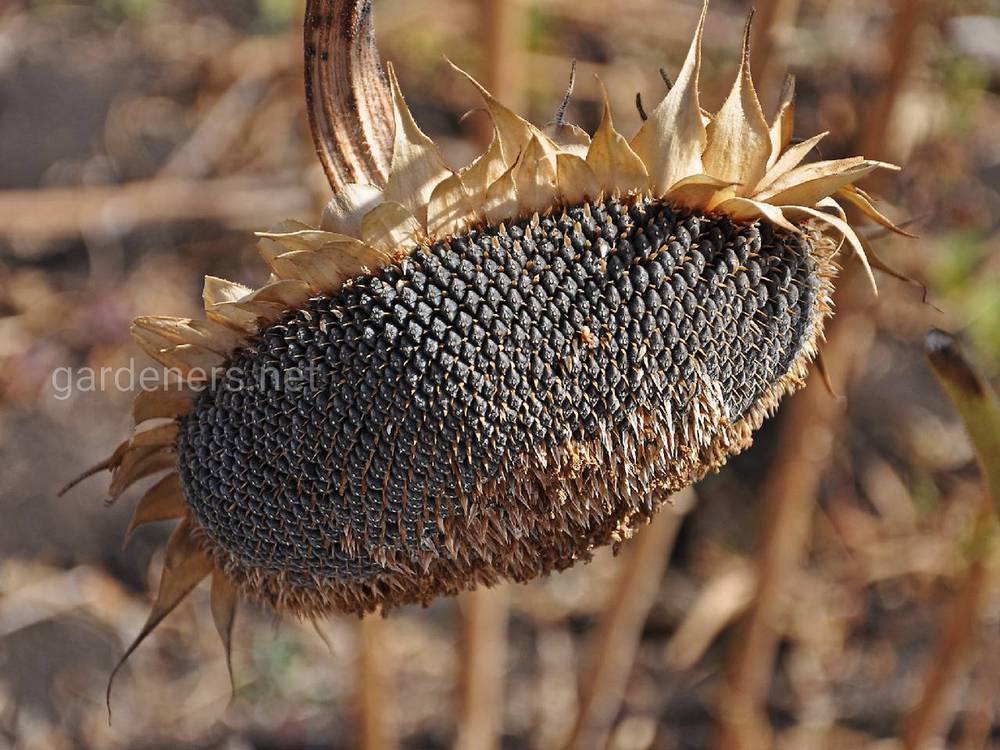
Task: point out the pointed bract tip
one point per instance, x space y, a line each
108 464
824 374
747 28
184 568
788 88
224 601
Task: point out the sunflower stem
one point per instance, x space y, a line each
347 93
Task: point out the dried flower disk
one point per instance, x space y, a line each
468 376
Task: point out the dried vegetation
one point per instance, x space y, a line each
829 589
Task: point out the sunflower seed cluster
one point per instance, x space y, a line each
353 427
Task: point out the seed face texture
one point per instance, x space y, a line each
474 375
427 389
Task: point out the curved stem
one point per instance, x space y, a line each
347 93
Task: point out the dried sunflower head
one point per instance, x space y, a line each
468 376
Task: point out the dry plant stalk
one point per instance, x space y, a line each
979 409
374 696
94 212
927 722
484 611
980 716
722 599
791 492
216 133
900 54
483 664
502 27
615 642
812 421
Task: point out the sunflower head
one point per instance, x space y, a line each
466 376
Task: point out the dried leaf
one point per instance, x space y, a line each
744 209
391 229
809 184
570 138
289 226
576 180
513 132
535 178
111 463
164 403
193 363
224 599
313 259
356 258
617 167
137 464
450 211
346 209
738 139
206 334
164 501
184 568
271 251
218 291
860 200
220 297
316 268
164 434
257 313
190 361
845 230
501 199
700 191
150 342
783 127
671 142
483 172
788 161
301 239
812 171
417 167
287 293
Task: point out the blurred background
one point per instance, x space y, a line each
823 591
